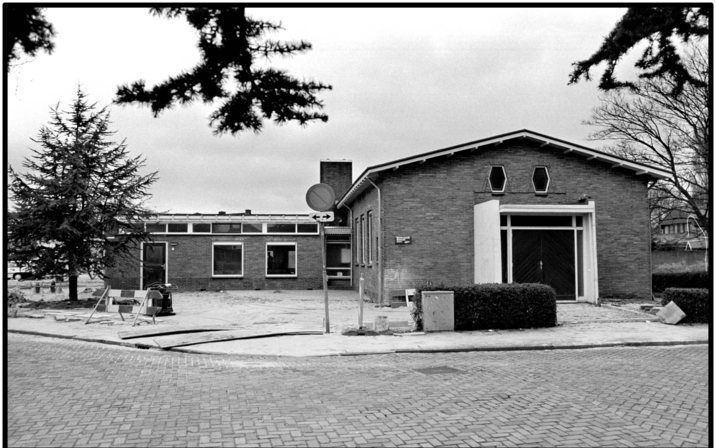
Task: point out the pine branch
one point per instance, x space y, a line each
229 42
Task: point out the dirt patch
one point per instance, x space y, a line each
634 305
579 313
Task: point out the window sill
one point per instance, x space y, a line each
227 276
283 276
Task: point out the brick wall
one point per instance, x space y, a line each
367 201
433 203
189 264
338 174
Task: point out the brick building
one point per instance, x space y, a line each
225 251
241 250
518 207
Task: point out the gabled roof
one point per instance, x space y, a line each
544 140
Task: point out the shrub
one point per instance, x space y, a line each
497 306
15 296
661 281
695 302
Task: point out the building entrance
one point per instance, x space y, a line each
545 256
550 244
154 263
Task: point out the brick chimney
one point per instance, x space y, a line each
338 174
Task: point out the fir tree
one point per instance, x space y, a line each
230 44
80 189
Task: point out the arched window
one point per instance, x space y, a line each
497 179
540 179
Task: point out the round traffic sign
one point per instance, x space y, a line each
320 197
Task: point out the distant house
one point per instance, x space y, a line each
679 222
517 207
681 244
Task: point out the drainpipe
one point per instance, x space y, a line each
350 223
380 244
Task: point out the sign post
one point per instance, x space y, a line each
321 198
325 274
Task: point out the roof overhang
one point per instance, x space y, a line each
544 141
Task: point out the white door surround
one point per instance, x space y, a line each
487 244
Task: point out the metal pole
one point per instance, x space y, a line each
360 304
325 275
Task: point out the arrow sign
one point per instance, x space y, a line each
322 216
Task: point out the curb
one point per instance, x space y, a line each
76 338
511 348
386 352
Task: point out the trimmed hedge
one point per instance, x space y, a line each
695 302
497 306
661 281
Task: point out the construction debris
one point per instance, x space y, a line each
671 314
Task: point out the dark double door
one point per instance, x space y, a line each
545 256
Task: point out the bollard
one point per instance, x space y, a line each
37 287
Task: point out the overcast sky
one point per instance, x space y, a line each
405 81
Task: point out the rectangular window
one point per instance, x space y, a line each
201 228
541 221
226 227
307 228
503 249
281 228
356 241
338 254
156 228
178 228
252 227
362 239
228 259
281 260
580 263
369 236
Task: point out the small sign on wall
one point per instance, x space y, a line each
403 240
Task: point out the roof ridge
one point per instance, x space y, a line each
639 168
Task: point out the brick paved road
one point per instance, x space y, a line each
65 393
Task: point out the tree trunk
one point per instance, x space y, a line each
73 287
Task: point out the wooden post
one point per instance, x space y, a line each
360 303
325 275
106 290
139 311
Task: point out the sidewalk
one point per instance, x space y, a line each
580 326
